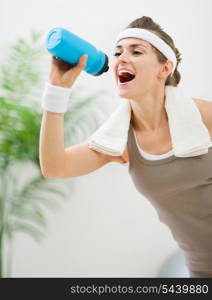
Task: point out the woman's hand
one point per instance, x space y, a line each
63 74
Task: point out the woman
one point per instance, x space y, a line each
179 188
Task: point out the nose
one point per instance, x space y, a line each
123 57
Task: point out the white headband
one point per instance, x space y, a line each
152 39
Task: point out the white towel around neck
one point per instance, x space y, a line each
189 135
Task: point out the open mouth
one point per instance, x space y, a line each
125 77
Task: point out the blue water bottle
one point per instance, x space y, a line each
69 47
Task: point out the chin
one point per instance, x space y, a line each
125 94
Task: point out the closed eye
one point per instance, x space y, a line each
137 52
117 54
134 52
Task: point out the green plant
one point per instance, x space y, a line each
22 200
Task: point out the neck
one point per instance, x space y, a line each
149 113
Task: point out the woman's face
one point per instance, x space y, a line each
135 60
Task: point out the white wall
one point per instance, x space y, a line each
107 229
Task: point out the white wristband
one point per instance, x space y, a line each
55 98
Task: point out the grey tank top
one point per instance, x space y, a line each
180 189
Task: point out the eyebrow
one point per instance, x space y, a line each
131 46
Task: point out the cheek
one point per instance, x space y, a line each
155 67
147 72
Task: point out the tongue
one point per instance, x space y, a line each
125 77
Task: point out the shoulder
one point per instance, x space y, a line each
205 108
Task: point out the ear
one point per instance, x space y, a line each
166 69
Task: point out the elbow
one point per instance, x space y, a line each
52 171
44 170
50 174
47 175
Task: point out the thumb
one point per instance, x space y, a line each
82 62
80 66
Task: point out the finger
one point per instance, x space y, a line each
79 67
61 64
81 64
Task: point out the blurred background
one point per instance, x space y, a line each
97 225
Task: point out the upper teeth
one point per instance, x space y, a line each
124 71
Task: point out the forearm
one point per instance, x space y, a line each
51 148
